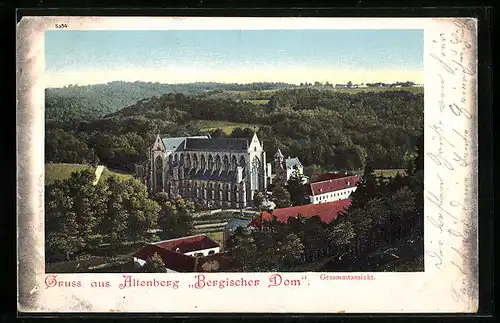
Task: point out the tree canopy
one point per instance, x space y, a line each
79 216
329 129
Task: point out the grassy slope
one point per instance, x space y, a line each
413 89
226 126
389 172
218 237
257 101
262 97
62 171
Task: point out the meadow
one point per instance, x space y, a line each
389 172
226 126
262 97
61 171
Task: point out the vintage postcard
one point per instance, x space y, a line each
257 165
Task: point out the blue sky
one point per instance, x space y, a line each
205 54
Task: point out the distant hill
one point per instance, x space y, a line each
95 101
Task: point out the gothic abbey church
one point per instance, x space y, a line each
215 172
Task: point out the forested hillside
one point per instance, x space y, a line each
324 128
95 101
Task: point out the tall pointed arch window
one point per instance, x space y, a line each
159 172
255 173
210 162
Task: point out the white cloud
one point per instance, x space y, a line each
292 74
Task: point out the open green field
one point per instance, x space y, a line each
254 94
226 126
257 101
389 172
413 89
266 94
217 237
263 96
62 171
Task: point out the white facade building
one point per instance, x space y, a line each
333 189
293 167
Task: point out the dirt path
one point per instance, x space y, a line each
98 173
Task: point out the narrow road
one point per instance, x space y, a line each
211 225
98 173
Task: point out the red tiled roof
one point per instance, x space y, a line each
172 251
333 185
327 176
182 263
173 260
256 223
326 211
188 244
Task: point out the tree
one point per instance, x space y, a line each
217 133
367 188
142 212
243 249
349 84
154 264
175 218
64 146
401 209
313 171
297 190
258 199
290 251
242 133
62 240
73 208
88 204
281 196
416 176
113 224
341 236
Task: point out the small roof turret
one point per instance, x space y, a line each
278 154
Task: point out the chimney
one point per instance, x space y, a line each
239 174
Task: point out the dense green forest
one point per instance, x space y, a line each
95 101
325 129
82 217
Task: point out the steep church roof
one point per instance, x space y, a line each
217 144
177 143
